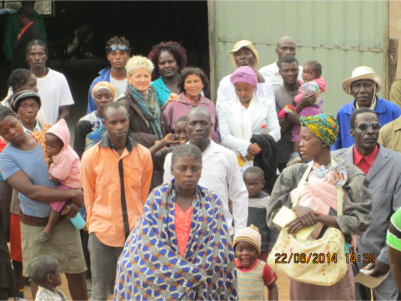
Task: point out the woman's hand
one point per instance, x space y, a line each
254 149
70 209
305 218
78 199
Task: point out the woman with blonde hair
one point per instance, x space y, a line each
140 99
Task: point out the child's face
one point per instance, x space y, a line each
254 184
55 278
309 74
245 253
53 144
181 131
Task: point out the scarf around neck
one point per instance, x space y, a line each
150 109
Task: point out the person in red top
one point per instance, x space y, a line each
382 167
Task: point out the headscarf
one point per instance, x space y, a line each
244 74
323 126
103 85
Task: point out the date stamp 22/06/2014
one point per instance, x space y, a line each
321 258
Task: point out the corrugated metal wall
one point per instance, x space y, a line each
341 35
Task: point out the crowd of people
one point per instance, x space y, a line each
180 196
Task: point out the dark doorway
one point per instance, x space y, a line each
143 23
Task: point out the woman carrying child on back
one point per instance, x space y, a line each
64 167
313 83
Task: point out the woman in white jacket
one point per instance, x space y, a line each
246 115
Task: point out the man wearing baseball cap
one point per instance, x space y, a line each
363 86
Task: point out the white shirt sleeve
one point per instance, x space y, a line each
223 93
65 93
237 193
167 176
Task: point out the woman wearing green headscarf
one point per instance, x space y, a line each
317 204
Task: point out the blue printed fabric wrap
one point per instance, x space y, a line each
150 267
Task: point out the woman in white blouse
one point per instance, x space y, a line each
246 115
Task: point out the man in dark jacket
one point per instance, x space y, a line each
29 32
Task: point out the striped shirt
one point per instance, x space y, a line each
394 231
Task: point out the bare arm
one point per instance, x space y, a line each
64 112
39 193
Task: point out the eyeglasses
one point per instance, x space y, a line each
363 126
33 106
119 47
366 85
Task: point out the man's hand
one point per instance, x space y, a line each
292 117
70 209
306 101
379 268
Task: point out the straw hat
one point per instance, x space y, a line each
246 44
359 73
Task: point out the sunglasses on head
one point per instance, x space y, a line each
363 126
119 47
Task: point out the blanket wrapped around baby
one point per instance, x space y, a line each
150 266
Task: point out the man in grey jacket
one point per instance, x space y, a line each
383 170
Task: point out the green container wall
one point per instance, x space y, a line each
341 35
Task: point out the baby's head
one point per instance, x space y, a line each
247 245
312 70
181 128
53 144
45 271
254 179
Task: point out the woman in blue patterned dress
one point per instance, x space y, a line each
181 248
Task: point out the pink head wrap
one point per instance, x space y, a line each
244 74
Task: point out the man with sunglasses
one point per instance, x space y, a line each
383 171
118 53
363 86
285 46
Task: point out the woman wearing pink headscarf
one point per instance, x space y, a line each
245 116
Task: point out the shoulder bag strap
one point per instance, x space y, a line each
301 183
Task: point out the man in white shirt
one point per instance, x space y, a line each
285 45
220 171
118 53
53 87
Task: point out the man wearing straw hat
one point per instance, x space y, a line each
363 86
243 53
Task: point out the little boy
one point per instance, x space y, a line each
45 272
253 274
257 206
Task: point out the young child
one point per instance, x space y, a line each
313 83
257 206
253 274
64 166
45 272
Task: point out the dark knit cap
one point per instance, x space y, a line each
20 96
